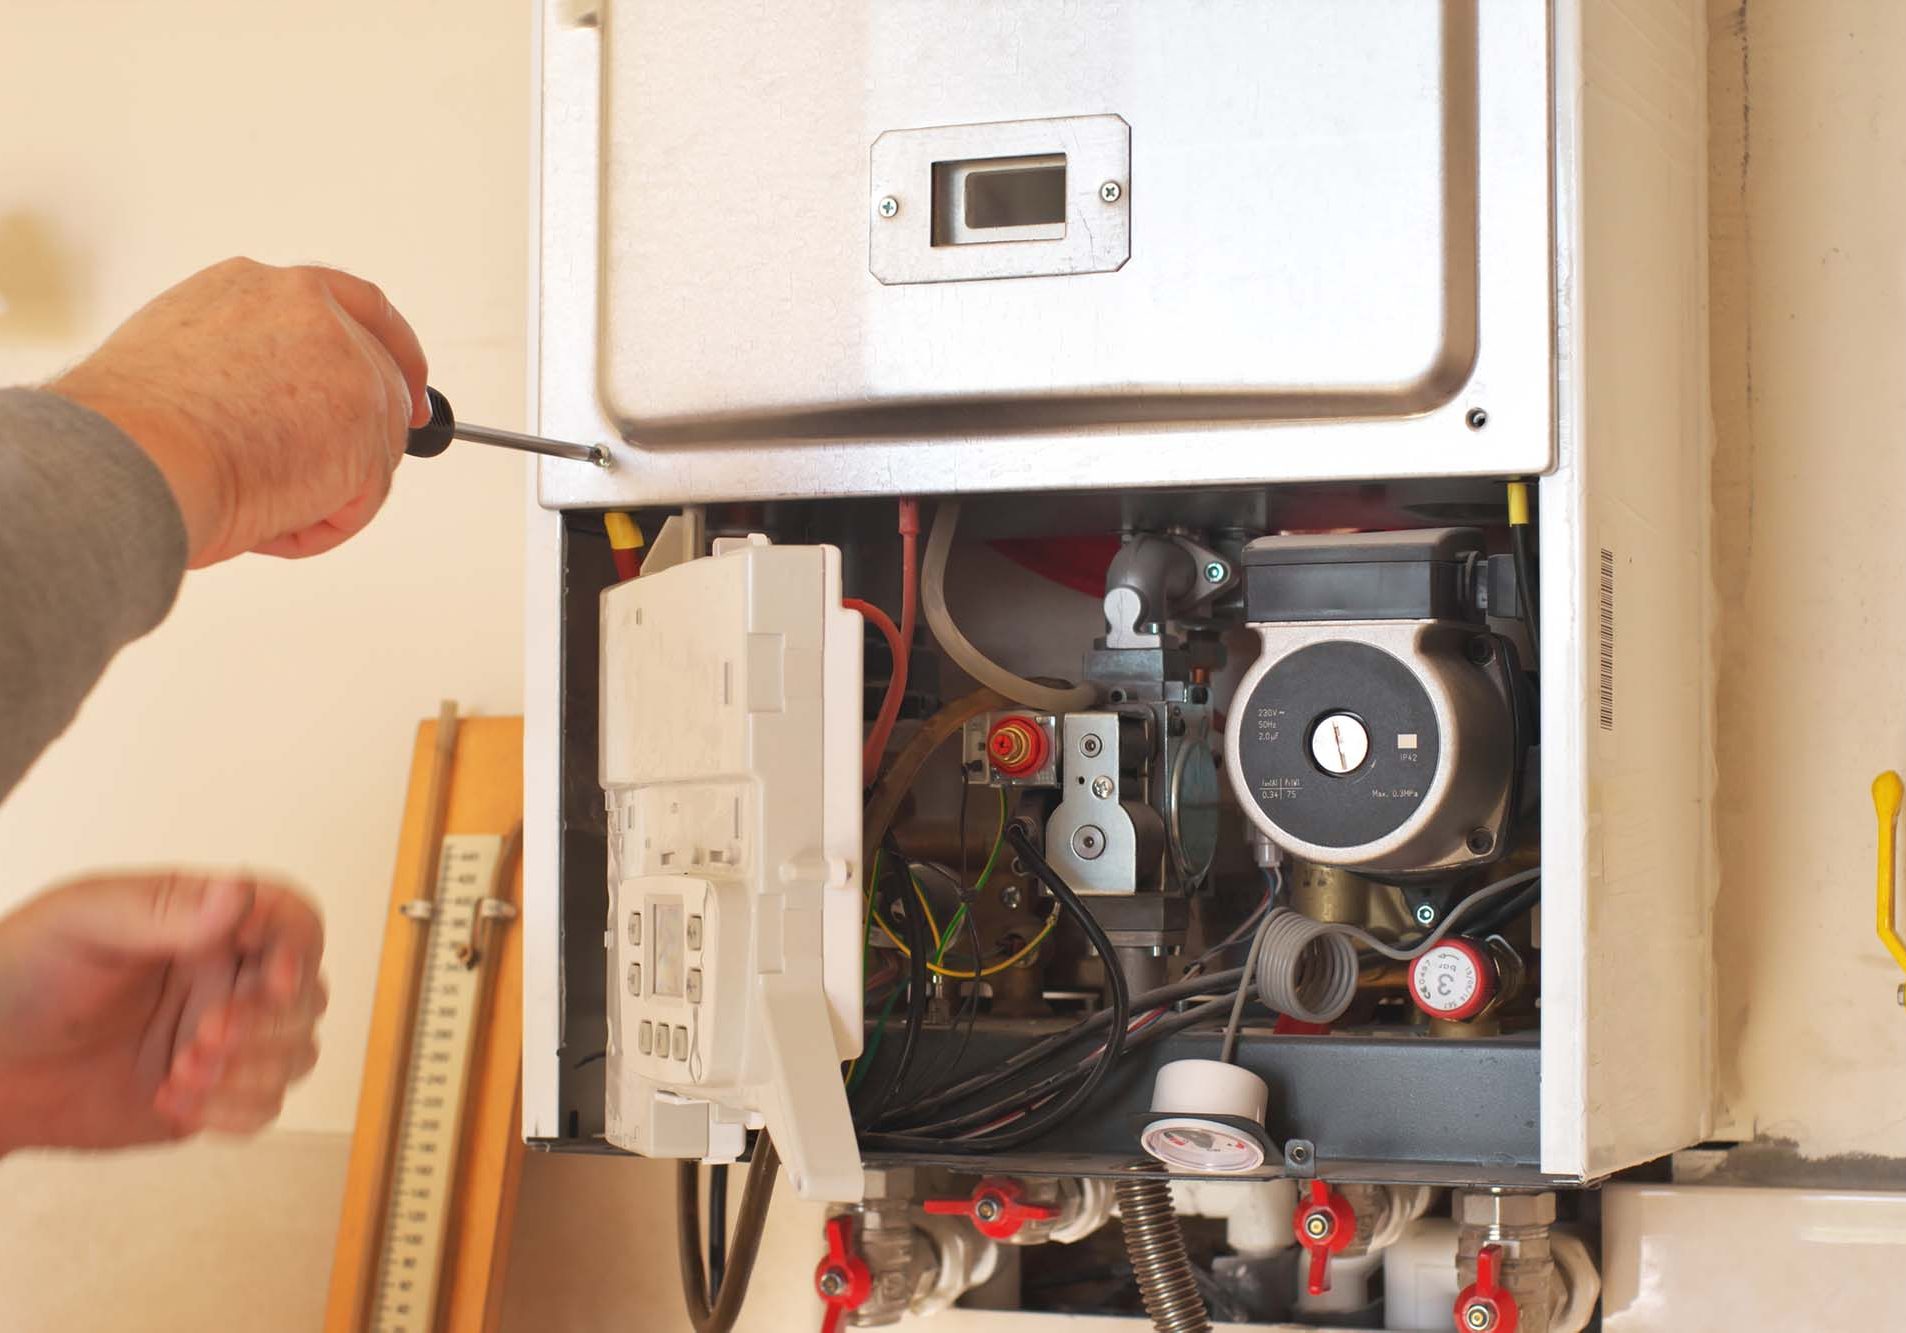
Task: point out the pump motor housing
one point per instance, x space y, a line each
1377 730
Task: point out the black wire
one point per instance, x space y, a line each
1524 561
1169 1025
1038 1123
914 923
972 999
715 1310
1514 906
1182 989
717 1224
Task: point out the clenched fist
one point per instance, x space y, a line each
141 1008
276 401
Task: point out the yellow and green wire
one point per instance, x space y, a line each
942 940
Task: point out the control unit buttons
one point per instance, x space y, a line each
635 928
694 985
645 1037
694 932
681 1043
635 978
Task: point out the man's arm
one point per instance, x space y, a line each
250 408
92 548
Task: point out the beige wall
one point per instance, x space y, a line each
1808 193
269 721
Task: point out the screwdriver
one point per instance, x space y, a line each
428 441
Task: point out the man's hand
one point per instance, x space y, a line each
276 401
142 1008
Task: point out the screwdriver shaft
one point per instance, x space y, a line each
531 444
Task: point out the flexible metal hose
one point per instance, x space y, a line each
1156 1248
1306 968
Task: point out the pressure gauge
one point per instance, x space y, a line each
1207 1116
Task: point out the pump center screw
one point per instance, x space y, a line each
1425 914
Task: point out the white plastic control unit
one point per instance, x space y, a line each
730 759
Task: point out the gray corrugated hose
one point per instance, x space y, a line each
1156 1248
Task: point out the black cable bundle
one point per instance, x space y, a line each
1036 1123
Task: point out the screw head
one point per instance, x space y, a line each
1010 897
888 206
1476 418
1425 914
1482 650
1102 787
1111 192
1089 842
832 1282
1215 572
1298 1153
1318 1225
988 1208
1090 746
1479 1316
1481 842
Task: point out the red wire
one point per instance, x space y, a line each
880 620
627 563
901 640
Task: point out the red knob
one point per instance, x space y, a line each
1456 980
1325 1223
1484 1306
842 1278
997 1206
1018 746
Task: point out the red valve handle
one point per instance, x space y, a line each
843 1271
1484 1306
997 1206
1325 1224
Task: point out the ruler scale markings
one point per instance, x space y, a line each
444 1028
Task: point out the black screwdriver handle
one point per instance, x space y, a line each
432 438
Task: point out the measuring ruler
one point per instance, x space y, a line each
458 919
430 1191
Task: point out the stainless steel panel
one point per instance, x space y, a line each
1339 249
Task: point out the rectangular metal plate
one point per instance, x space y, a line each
924 227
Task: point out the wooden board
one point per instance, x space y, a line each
485 795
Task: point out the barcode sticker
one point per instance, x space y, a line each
1607 599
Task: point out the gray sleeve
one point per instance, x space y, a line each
92 549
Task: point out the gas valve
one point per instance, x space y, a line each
1325 1224
1000 1211
1484 1306
842 1277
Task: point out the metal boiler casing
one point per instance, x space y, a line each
1390 240
1281 240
